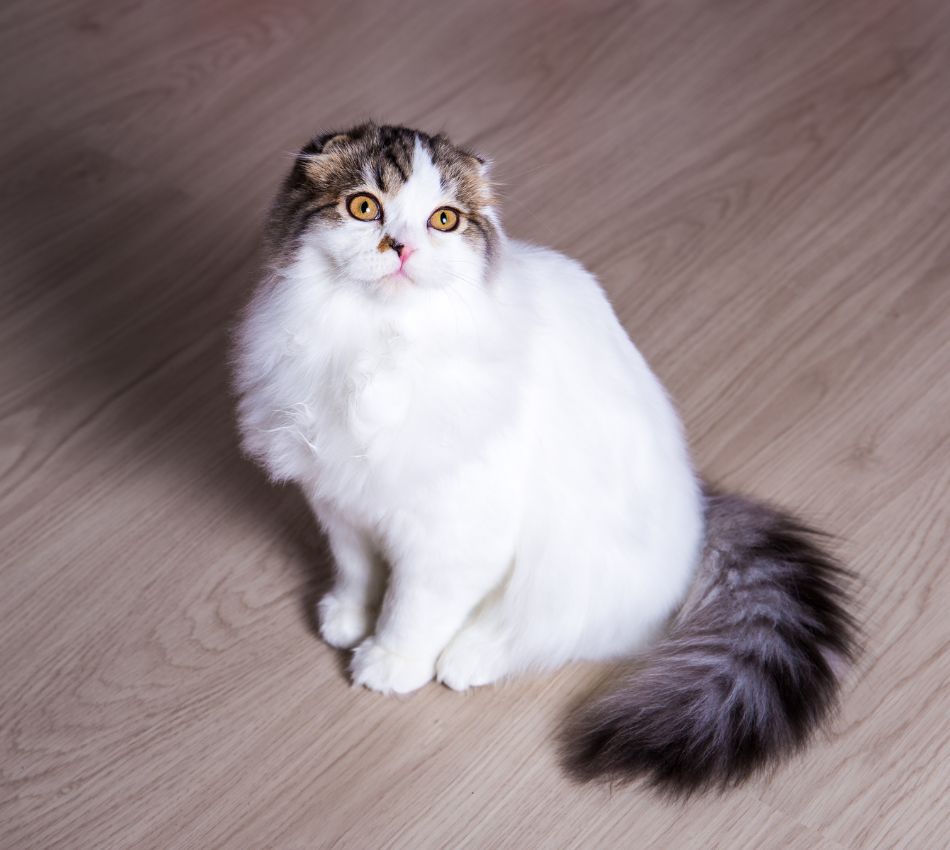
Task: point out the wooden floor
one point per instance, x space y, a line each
764 189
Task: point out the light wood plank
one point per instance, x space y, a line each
764 189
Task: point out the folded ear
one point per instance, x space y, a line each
319 152
484 165
324 144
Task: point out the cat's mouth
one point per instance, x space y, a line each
398 276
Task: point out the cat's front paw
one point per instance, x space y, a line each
381 670
342 625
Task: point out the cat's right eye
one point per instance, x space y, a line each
364 207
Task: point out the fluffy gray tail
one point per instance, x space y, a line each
747 672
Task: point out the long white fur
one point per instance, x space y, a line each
491 435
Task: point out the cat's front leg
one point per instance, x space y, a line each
433 587
347 611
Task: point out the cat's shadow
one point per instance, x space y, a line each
137 287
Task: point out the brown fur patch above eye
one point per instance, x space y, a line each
462 173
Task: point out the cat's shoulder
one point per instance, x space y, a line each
529 255
550 270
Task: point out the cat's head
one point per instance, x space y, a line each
389 207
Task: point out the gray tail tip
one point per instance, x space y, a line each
744 678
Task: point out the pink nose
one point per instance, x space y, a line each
405 252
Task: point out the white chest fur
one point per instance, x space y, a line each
359 402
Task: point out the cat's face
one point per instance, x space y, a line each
390 208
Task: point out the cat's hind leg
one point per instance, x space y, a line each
481 651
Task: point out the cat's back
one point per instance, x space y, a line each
563 293
588 377
573 322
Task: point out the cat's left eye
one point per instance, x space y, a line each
444 219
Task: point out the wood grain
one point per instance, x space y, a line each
764 189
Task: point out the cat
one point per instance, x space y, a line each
504 483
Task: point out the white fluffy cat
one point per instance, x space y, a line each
504 483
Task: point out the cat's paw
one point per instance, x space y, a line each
342 625
473 658
380 670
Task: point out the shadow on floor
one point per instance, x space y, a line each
135 284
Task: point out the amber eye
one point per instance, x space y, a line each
444 218
364 207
